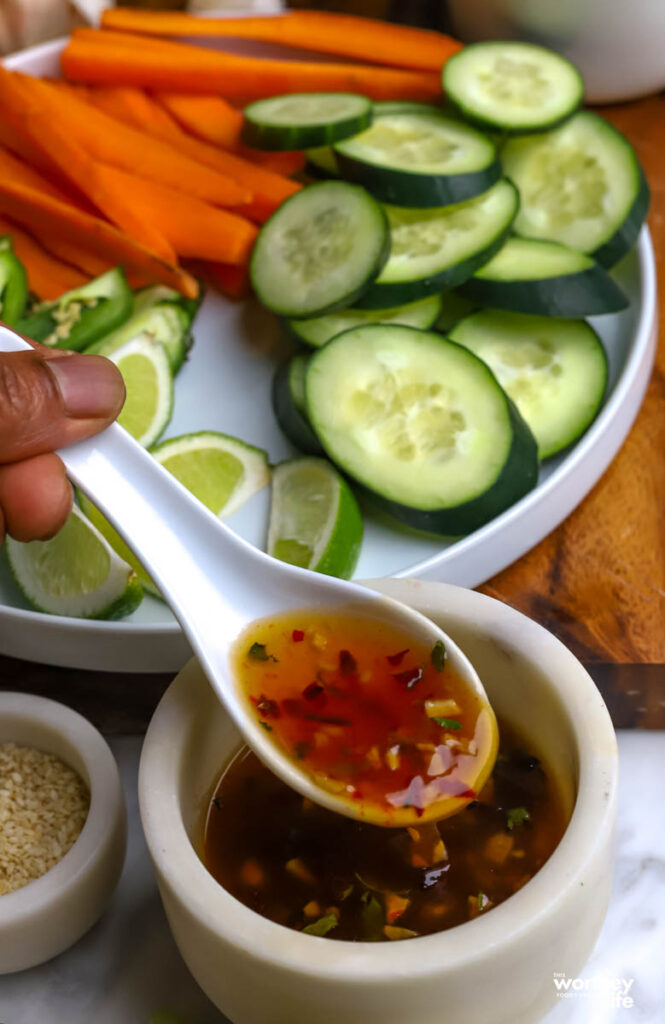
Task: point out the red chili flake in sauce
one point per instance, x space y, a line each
313 691
266 707
347 663
397 659
298 636
410 676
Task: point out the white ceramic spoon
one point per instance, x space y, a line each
217 584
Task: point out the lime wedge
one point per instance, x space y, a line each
117 543
149 382
315 521
76 573
219 470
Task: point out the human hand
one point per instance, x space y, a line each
49 398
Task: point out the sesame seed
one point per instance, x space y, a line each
43 807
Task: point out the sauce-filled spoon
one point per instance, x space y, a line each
373 711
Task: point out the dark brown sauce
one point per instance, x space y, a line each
306 868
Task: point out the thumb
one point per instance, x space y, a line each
48 403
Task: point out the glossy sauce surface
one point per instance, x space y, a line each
370 713
315 871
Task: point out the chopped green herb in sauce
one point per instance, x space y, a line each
438 656
258 652
448 723
517 816
322 926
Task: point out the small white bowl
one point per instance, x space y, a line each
494 970
49 914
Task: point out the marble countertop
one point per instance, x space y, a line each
127 966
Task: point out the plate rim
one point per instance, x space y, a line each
640 358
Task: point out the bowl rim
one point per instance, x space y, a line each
590 827
105 814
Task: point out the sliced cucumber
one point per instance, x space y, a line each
554 370
290 405
422 424
319 330
382 107
454 308
322 163
581 185
81 316
514 86
433 250
411 158
166 322
532 276
305 119
320 250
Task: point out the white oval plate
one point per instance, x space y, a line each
225 386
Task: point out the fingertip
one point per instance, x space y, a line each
35 497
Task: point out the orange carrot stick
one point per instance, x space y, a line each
109 141
194 228
65 249
214 120
19 170
343 35
20 103
178 67
35 209
134 107
268 188
47 277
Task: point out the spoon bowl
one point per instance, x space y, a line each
217 585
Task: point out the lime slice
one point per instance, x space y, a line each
76 573
115 540
315 521
219 470
149 382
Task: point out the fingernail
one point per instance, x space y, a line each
91 386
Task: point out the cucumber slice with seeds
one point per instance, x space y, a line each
433 250
581 185
411 158
531 276
290 405
421 423
319 330
514 86
554 370
303 120
320 250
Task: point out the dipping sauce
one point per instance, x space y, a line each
324 874
370 713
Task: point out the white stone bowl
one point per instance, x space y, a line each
496 969
49 914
